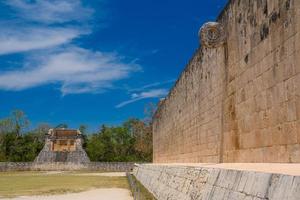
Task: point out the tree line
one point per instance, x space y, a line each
130 141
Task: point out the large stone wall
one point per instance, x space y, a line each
191 183
238 102
65 166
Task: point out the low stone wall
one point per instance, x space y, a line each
15 166
190 183
110 166
92 166
57 166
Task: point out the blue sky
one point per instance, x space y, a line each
94 62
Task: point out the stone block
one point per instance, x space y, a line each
280 187
290 131
294 153
291 110
248 140
278 135
236 196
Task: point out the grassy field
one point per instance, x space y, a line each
36 183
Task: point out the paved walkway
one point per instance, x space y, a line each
97 194
109 174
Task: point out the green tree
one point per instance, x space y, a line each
83 129
62 126
15 146
6 125
6 144
16 122
130 141
95 148
19 120
22 148
142 134
42 128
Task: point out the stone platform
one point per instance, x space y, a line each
237 181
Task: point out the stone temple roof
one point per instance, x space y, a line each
64 133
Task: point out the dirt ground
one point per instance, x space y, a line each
63 185
96 194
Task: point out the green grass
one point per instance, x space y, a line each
36 183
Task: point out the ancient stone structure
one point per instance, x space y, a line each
62 145
212 35
66 166
238 99
207 183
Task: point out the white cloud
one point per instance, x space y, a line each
44 26
14 40
155 51
24 34
76 69
151 85
51 11
155 93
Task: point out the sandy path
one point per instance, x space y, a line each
109 174
97 194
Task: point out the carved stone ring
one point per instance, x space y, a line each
212 35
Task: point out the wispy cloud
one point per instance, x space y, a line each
151 85
77 70
155 51
15 40
51 11
155 93
31 29
49 27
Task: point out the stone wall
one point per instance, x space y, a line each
92 166
238 102
77 156
190 183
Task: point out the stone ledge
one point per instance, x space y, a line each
275 168
215 182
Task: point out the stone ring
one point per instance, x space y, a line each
212 35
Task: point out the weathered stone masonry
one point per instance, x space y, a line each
66 166
62 145
238 102
191 183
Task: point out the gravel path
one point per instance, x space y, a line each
97 194
109 174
